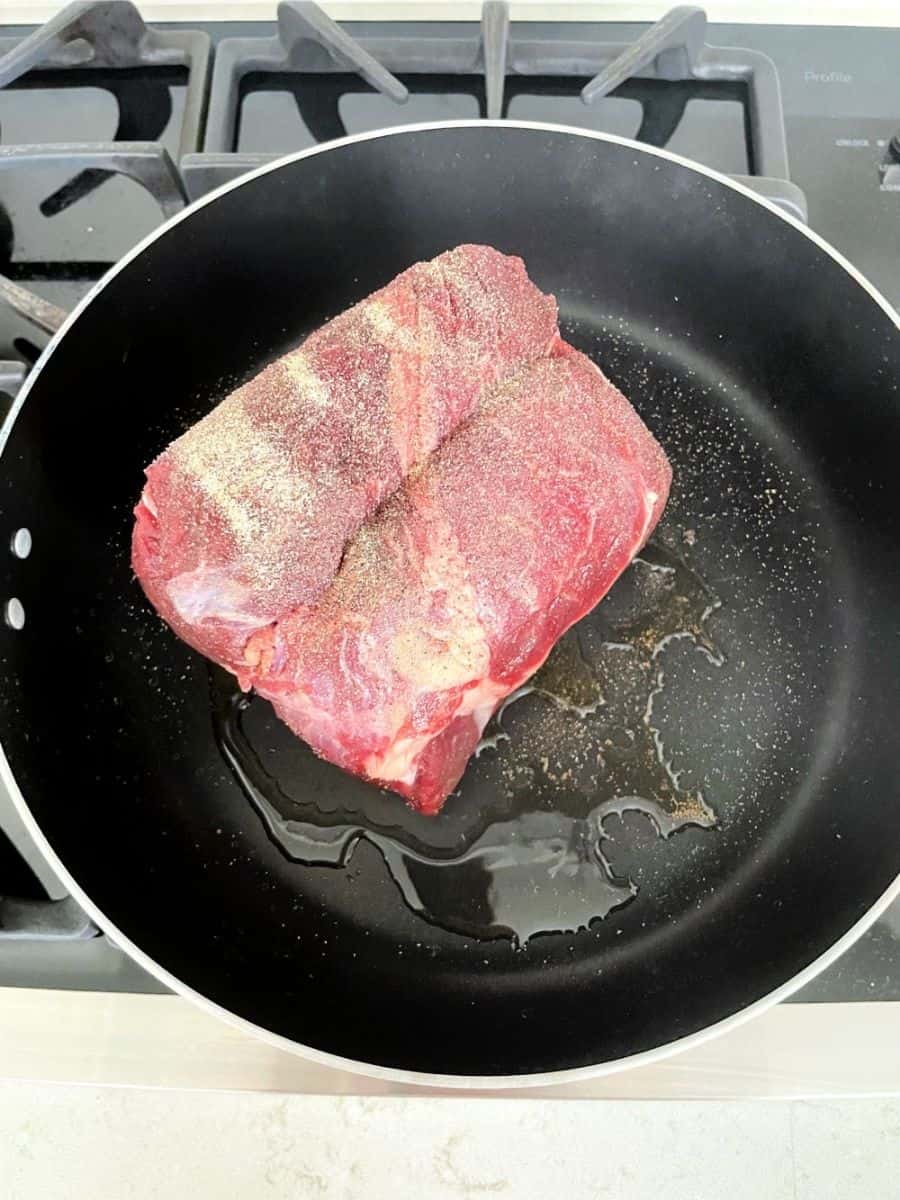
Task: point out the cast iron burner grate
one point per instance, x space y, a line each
134 99
144 101
317 72
328 84
323 107
106 45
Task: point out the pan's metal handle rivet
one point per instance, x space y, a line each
15 613
20 543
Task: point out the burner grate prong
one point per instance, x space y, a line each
38 312
12 376
674 44
147 163
494 45
104 34
302 20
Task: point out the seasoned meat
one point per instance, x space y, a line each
456 591
386 531
246 515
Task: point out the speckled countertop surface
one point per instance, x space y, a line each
111 1144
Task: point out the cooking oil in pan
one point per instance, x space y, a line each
523 849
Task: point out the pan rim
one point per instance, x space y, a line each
323 1058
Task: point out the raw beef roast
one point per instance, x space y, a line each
456 590
386 530
246 515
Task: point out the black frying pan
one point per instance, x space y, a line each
768 369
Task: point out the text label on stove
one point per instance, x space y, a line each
810 76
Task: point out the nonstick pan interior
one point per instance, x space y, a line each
768 373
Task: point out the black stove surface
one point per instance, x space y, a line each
59 231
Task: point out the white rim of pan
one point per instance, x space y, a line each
393 1074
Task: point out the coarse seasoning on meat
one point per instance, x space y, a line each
386 531
246 515
453 594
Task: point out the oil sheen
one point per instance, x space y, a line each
521 848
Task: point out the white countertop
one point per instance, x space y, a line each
235 1127
67 1143
790 1051
776 12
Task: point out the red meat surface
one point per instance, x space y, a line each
245 517
386 531
453 594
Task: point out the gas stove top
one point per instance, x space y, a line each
108 126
